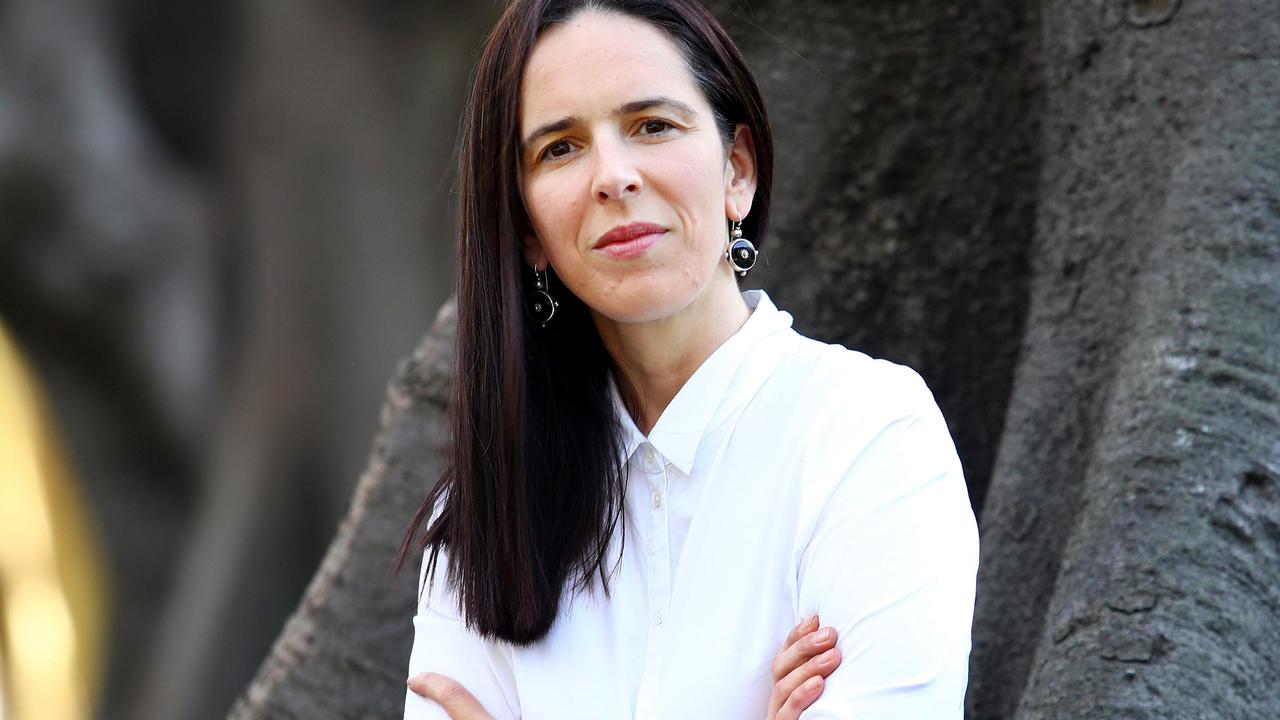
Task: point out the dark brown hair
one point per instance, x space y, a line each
534 487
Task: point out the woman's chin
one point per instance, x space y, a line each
640 307
648 296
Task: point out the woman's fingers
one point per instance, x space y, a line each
800 667
817 667
796 653
800 687
449 693
800 699
800 631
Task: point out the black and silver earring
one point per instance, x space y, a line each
539 304
740 253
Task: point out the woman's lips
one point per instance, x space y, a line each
631 248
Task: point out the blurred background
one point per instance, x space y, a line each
221 225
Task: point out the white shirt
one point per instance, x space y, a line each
787 477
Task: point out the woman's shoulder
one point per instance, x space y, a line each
841 384
868 425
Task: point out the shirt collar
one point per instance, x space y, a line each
689 416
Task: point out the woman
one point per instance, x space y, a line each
654 482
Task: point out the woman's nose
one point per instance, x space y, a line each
616 176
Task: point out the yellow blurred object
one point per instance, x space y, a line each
53 597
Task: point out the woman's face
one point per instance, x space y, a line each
617 138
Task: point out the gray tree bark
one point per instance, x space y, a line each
1066 218
1131 536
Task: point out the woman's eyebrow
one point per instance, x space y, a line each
650 103
631 107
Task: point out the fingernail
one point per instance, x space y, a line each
416 682
822 635
812 683
827 657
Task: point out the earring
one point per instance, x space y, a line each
539 304
740 253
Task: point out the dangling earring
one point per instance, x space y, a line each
539 304
740 253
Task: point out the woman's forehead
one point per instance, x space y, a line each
596 62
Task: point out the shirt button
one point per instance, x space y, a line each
657 617
649 456
657 500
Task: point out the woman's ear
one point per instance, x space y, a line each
740 174
534 254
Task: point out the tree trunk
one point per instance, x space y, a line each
1131 537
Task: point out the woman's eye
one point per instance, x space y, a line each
655 127
551 153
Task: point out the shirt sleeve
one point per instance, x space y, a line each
443 644
892 564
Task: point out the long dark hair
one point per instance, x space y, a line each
535 484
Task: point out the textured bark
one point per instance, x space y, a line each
1130 540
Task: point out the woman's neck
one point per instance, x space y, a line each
654 359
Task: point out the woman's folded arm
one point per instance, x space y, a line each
892 564
442 644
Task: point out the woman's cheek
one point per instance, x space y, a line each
682 172
554 212
698 186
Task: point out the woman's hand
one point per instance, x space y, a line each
449 693
807 657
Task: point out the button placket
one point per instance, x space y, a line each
661 593
659 572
